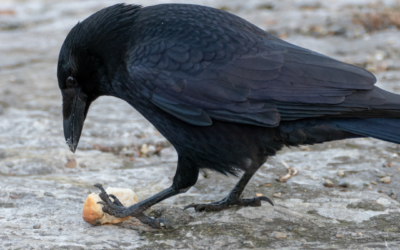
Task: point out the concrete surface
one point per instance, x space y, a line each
41 199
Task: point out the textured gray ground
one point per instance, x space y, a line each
37 190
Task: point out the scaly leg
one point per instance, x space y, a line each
233 198
185 177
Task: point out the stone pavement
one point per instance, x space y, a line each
41 198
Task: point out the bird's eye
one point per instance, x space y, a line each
71 82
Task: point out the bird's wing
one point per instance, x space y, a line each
237 76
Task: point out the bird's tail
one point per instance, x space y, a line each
387 129
381 122
311 131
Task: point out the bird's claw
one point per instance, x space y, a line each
116 200
263 198
163 223
190 205
225 203
114 207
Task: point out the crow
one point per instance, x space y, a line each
225 93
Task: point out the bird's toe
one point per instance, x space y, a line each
114 207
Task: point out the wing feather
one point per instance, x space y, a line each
237 73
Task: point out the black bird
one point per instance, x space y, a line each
225 93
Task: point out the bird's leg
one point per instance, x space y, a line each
185 177
233 198
116 209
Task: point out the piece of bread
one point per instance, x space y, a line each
93 212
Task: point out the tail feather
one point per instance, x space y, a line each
392 100
311 131
387 129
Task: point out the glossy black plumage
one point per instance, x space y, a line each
225 93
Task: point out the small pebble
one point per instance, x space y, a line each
370 188
344 183
340 173
48 194
10 164
147 150
152 150
373 182
385 180
144 148
277 195
381 174
328 183
37 226
280 235
339 236
290 228
304 148
71 163
259 195
392 194
82 165
247 242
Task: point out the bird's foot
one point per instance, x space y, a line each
227 202
115 208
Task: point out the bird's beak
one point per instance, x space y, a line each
74 111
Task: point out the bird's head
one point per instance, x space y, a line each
88 60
